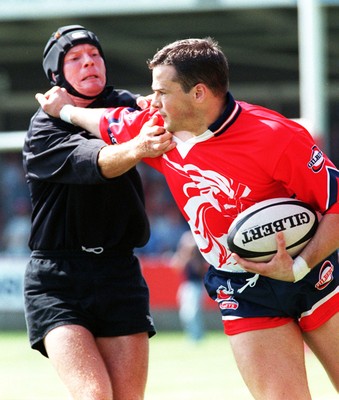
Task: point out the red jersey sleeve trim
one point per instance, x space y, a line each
104 127
118 125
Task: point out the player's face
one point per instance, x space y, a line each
175 106
85 70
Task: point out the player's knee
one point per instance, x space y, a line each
94 392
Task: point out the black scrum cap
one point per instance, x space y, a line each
56 48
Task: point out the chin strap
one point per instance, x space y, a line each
70 89
61 81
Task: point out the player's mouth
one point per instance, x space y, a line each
89 77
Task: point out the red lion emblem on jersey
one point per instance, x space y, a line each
212 201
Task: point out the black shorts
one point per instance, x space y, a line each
249 302
106 295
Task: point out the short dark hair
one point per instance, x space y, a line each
195 61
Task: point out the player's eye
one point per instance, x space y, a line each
71 57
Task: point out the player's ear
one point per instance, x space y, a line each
200 91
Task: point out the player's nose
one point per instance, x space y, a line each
87 59
155 101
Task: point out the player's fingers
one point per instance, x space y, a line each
152 121
281 242
56 89
164 135
51 91
143 102
250 266
153 131
237 258
261 268
164 142
243 263
41 99
168 145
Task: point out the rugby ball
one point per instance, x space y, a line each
252 234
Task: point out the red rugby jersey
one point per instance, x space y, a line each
248 155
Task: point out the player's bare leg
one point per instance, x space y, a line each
271 362
324 342
73 352
126 358
92 369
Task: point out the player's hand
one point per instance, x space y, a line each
153 140
53 100
146 102
280 267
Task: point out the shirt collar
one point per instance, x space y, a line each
227 118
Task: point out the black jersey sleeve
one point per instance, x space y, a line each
55 151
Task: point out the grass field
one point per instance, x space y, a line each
179 370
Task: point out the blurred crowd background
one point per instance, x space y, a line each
15 208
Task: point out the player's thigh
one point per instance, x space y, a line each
126 358
73 351
271 362
324 342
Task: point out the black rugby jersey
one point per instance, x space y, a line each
73 205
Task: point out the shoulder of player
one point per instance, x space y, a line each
260 121
116 98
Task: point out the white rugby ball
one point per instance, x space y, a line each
252 234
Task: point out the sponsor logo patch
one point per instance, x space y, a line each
317 159
325 275
225 297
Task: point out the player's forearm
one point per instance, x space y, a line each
324 242
87 118
114 160
59 104
151 142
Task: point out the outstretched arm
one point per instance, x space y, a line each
152 141
113 160
53 101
